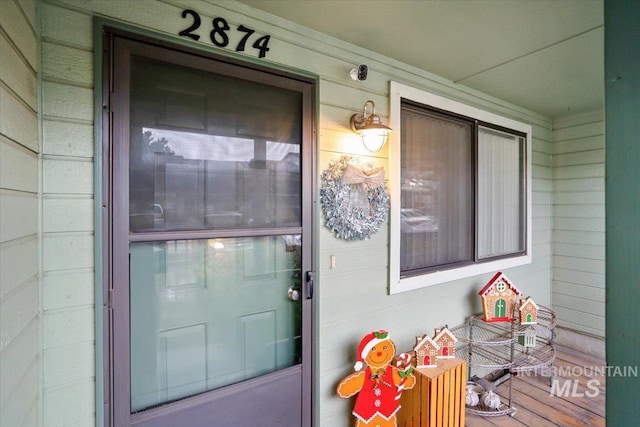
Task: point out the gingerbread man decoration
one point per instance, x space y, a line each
379 386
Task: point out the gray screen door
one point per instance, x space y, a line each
210 220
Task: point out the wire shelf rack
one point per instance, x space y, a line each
485 411
499 346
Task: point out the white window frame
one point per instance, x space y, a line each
397 284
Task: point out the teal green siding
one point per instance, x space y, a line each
578 222
622 94
20 353
69 370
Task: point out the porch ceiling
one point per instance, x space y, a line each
544 55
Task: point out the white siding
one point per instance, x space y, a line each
578 222
20 354
352 298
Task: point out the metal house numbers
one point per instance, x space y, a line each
220 33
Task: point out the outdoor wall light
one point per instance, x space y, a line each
370 128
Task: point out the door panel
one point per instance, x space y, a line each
210 313
261 406
209 167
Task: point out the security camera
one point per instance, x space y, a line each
359 73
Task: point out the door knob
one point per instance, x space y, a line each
293 293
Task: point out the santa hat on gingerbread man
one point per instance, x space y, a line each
367 343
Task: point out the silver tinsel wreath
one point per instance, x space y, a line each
349 220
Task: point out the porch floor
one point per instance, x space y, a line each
580 403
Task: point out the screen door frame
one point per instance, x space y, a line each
115 326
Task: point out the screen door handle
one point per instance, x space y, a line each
310 276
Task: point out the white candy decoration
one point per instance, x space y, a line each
472 398
491 400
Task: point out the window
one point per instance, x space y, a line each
461 190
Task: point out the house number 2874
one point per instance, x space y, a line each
220 33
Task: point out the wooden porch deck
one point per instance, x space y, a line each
580 403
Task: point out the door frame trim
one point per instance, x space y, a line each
103 29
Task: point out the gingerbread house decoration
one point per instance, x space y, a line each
426 351
446 342
499 297
528 338
528 312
